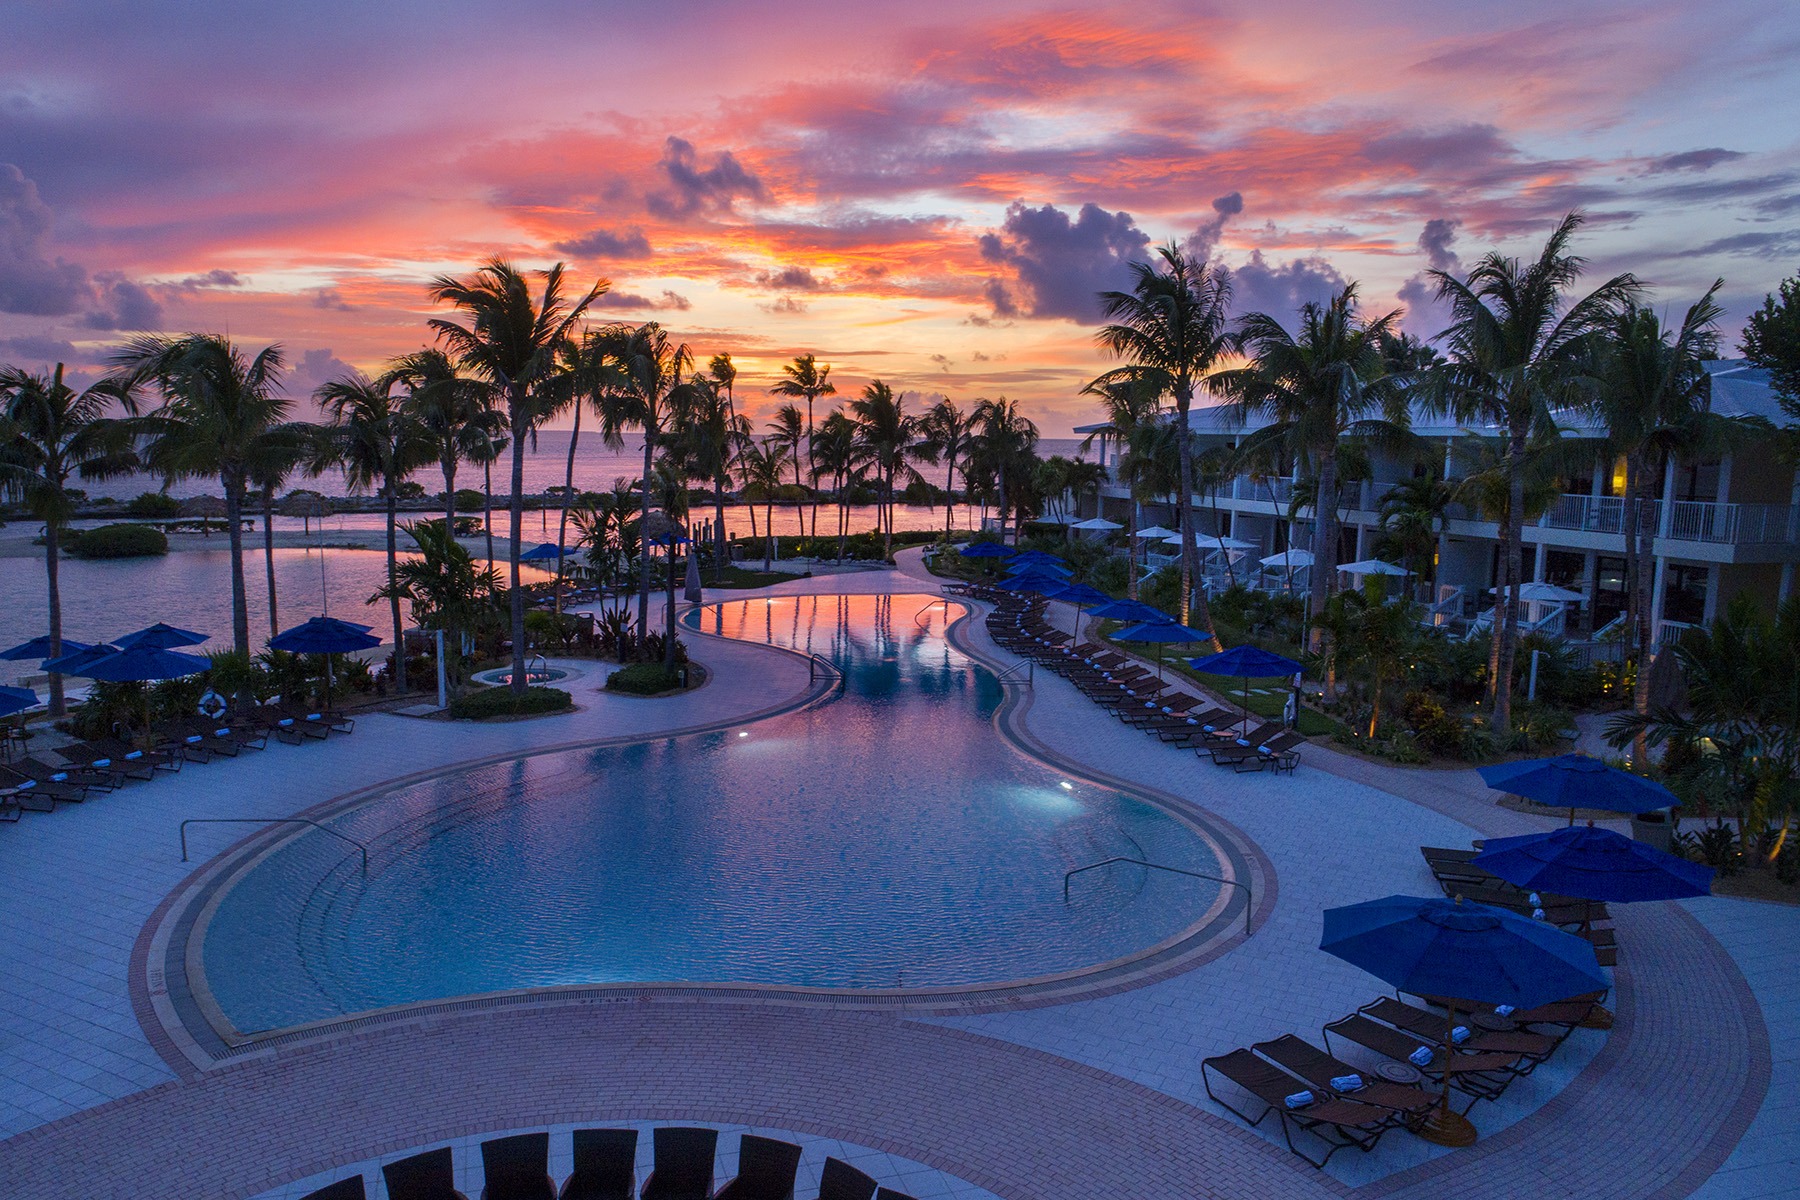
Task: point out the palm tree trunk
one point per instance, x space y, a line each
53 576
1506 629
719 530
769 541
669 610
516 503
1324 544
393 574
887 532
643 621
268 516
452 644
1641 602
1194 609
1131 551
240 608
562 524
812 466
487 510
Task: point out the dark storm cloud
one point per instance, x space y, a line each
790 279
607 243
217 278
30 280
1280 289
631 300
123 305
41 350
313 369
1205 239
695 190
1060 264
1419 294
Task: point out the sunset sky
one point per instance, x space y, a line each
928 192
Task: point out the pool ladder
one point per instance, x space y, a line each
1013 674
818 664
362 849
1249 896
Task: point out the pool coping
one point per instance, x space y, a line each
188 1029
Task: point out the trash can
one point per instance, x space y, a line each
1655 828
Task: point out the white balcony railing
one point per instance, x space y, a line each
1689 520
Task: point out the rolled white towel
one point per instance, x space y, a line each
1505 1010
1420 1057
1459 1035
1298 1099
1346 1083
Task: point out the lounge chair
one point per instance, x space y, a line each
1319 1068
684 1164
1228 750
766 1170
20 784
18 800
343 1189
517 1168
841 1181
1533 1048
605 1165
90 756
1153 714
427 1176
124 754
1478 1076
81 777
1338 1123
9 808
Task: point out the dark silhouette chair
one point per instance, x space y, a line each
766 1170
841 1181
684 1164
517 1168
605 1165
427 1176
343 1189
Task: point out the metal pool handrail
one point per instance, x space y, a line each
1249 896
364 850
1011 674
815 661
935 604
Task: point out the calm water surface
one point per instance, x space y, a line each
886 839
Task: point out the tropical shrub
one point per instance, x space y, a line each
154 504
1716 845
643 679
504 702
117 541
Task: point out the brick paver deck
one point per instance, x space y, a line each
1095 1097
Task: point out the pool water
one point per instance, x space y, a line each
888 838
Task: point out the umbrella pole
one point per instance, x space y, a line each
1444 1126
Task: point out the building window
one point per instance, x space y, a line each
1609 590
1684 594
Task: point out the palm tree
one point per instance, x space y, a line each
1515 355
447 591
1371 634
1171 331
452 412
1412 515
50 432
378 443
948 432
706 441
512 343
221 414
759 466
786 433
842 456
486 445
805 377
647 369
723 374
1128 406
889 437
1653 397
1316 389
1005 451
274 461
1149 465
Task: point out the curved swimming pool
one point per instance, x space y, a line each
888 838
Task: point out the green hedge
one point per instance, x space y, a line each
503 702
643 679
154 504
118 541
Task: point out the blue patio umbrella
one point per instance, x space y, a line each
1081 596
160 637
1031 581
1039 556
1430 946
1246 662
987 550
76 663
144 664
1575 781
17 700
325 635
543 552
39 647
1015 567
1594 864
1130 610
1162 633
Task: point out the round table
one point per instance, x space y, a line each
1399 1072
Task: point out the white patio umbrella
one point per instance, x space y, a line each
1289 559
1157 531
1208 542
1097 523
1546 593
1373 566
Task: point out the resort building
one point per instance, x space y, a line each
1725 524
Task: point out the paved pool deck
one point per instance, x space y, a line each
1692 1093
